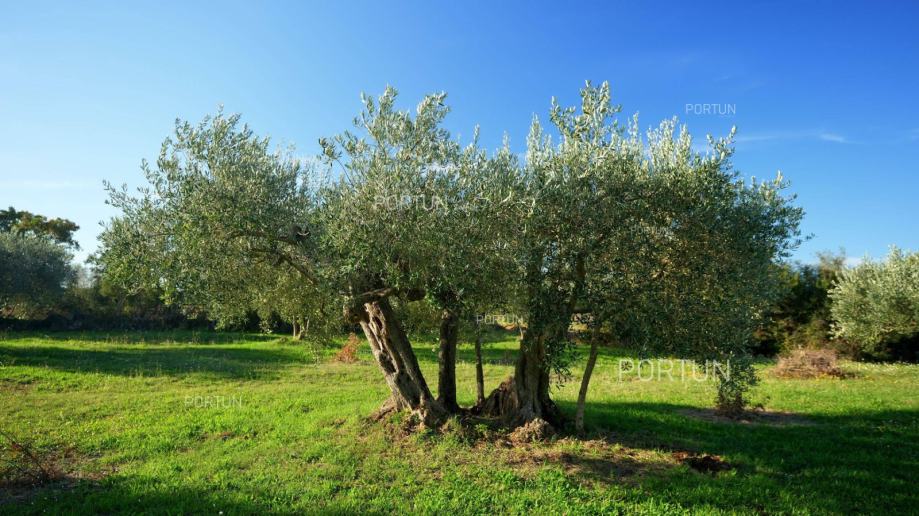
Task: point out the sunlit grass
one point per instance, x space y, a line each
202 423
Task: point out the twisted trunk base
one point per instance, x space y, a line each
397 360
524 396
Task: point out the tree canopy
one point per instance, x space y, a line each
877 302
33 273
60 230
665 247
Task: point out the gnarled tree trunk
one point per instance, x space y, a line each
394 354
525 396
446 380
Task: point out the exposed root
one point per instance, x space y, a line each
390 406
504 403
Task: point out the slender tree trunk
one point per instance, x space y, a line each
585 381
395 356
446 379
296 329
479 373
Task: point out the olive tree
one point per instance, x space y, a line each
229 225
877 302
411 217
641 234
666 248
34 270
221 217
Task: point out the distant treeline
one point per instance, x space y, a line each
40 289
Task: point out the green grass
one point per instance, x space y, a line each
203 423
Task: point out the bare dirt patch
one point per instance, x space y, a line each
12 386
26 470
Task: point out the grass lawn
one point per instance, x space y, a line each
204 423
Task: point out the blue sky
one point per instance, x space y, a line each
826 92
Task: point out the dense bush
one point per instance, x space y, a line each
88 303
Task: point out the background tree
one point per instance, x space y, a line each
800 317
33 273
876 305
60 230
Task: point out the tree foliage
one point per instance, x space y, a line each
24 222
666 248
33 273
223 225
877 302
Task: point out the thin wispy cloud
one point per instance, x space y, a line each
818 135
833 137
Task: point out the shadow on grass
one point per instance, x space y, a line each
142 337
126 495
856 463
211 360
